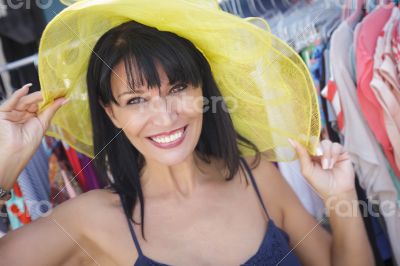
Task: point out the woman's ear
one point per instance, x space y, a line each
109 111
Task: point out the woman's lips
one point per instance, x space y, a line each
167 142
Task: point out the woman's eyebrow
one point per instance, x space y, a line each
136 91
130 92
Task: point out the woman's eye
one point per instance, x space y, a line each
178 88
136 100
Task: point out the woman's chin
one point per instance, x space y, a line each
171 158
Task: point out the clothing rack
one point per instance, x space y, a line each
33 59
5 90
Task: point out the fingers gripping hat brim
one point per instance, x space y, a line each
265 84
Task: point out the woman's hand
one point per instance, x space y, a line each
22 129
331 174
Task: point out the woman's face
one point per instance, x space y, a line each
165 124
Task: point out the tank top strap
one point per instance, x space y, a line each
139 250
253 181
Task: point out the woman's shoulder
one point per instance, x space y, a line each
262 168
99 197
271 184
96 198
83 209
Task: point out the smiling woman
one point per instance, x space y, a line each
195 181
118 71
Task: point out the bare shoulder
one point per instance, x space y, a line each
90 200
265 172
80 211
273 187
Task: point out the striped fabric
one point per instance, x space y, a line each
331 94
34 184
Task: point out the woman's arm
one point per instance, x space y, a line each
348 244
332 177
22 130
51 240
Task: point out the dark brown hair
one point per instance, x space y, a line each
140 47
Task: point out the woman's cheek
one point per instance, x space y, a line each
134 122
192 104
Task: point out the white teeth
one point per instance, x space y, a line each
169 138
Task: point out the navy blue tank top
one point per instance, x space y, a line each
274 249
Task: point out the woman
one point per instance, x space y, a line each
185 194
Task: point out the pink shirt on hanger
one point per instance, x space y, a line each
384 84
368 32
359 141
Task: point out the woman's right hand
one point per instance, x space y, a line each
21 131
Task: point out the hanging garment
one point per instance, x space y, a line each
388 68
76 166
383 85
58 193
359 141
17 211
369 30
331 94
34 184
395 180
4 222
396 45
332 115
333 106
63 184
68 187
89 172
376 233
312 56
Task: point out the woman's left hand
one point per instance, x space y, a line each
330 174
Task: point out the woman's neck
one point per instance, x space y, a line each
177 181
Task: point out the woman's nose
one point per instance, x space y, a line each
163 113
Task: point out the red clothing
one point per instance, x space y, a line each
369 30
76 166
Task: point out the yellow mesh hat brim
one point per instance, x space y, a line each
265 83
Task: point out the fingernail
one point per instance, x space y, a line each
319 151
64 102
332 163
25 86
325 163
292 143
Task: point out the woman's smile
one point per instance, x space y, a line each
163 124
168 140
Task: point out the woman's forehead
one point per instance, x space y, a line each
121 83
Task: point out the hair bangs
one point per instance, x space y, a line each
144 55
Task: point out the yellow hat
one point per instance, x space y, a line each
274 95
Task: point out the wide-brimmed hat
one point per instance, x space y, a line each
273 91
